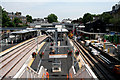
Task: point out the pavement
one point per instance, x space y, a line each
46 62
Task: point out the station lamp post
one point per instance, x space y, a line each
91 30
74 28
37 41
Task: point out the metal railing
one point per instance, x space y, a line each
28 72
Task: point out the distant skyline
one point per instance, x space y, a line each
63 10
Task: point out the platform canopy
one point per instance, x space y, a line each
81 26
23 31
38 26
50 31
60 28
89 32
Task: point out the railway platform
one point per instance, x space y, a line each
67 64
12 60
18 62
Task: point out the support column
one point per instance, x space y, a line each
21 37
15 38
73 31
56 42
40 32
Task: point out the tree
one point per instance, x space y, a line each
5 19
78 21
17 21
29 18
87 17
52 18
115 21
105 17
18 13
11 24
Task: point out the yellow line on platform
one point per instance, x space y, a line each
31 61
17 45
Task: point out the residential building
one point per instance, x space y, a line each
116 11
67 20
18 15
40 20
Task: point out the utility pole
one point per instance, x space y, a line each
37 42
56 42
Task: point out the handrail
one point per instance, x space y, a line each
31 72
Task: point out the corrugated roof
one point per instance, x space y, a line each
90 32
23 31
58 30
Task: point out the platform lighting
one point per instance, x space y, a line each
37 41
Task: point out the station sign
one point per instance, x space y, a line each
57 55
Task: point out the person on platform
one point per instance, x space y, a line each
52 52
33 55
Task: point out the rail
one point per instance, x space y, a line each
15 58
94 63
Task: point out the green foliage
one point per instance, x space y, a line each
29 18
115 21
87 17
77 21
5 18
18 13
7 22
17 21
105 17
52 18
11 24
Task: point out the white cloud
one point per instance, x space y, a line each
59 0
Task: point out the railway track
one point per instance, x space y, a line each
95 64
11 59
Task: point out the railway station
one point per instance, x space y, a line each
81 42
57 54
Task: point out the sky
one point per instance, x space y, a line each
64 9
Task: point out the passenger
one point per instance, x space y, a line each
51 44
12 42
33 55
52 52
47 75
41 54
